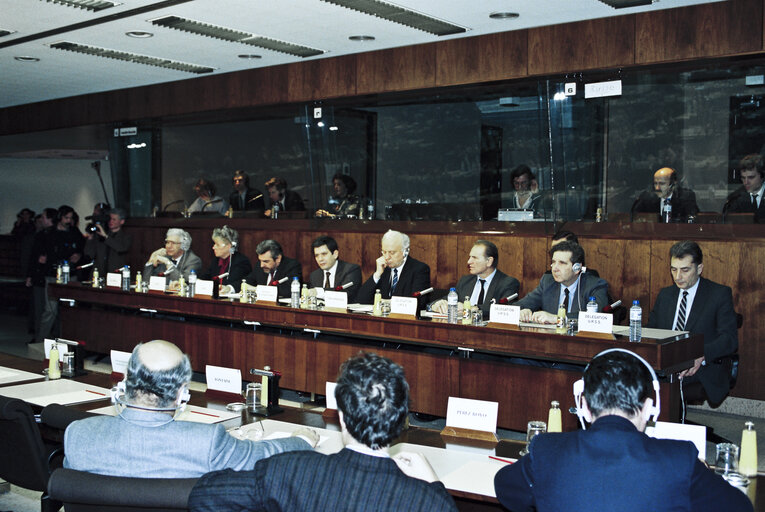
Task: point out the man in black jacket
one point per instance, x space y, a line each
667 192
748 198
274 266
332 271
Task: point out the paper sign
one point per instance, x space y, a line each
403 305
113 279
319 292
63 348
157 283
596 322
119 361
228 380
697 434
504 314
329 392
203 287
472 414
336 300
602 89
267 293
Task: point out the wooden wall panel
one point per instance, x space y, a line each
322 78
622 263
707 30
396 69
592 44
481 59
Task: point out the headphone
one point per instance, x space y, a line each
579 387
118 393
232 250
577 267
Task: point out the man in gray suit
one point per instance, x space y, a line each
175 259
144 440
333 272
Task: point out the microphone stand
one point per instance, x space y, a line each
97 166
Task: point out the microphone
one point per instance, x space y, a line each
255 198
505 300
343 287
172 203
610 308
423 292
221 276
280 281
87 265
632 209
733 197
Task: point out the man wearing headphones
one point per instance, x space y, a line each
282 198
667 191
614 465
748 198
275 267
332 271
243 197
569 284
175 259
145 441
228 262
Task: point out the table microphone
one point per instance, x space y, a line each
222 276
343 287
610 308
506 300
84 266
280 281
423 292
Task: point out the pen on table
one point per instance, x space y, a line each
502 460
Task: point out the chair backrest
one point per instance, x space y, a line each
25 458
88 492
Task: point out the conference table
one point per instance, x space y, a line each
441 360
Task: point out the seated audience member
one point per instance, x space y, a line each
613 465
24 224
484 282
206 200
343 202
372 398
526 188
748 198
332 271
243 197
228 260
666 190
146 441
109 250
175 259
282 198
274 266
700 306
396 272
569 284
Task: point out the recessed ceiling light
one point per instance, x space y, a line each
4 33
504 15
139 34
362 38
249 56
26 58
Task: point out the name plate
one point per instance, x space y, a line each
157 283
596 322
329 393
113 279
63 348
228 380
204 287
504 314
472 414
335 300
267 293
119 361
319 292
403 306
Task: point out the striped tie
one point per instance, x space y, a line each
680 325
395 281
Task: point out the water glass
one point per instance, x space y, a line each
727 458
252 396
534 428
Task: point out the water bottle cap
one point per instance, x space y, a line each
749 425
635 302
554 404
190 272
452 289
592 299
295 278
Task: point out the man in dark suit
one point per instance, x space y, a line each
748 198
484 283
397 273
666 190
703 307
614 465
283 199
568 284
243 197
333 272
274 266
372 400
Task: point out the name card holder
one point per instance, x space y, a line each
506 317
330 412
119 363
157 284
222 382
404 308
336 302
204 288
113 280
596 325
471 419
267 293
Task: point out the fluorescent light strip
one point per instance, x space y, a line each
234 36
400 15
90 5
4 33
621 4
131 57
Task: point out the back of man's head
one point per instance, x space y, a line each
156 372
373 395
617 382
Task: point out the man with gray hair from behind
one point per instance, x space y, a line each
175 259
145 440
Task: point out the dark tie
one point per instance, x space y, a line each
395 281
480 294
754 200
680 325
565 299
326 282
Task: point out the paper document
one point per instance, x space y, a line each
192 413
648 332
64 392
9 375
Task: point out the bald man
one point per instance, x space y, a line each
666 191
144 439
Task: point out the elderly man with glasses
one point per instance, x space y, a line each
175 259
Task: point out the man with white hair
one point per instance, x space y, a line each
144 440
175 259
396 273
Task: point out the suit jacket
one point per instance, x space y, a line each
347 481
111 253
501 286
292 202
287 268
612 466
713 316
250 203
414 277
149 444
238 269
683 203
546 296
346 273
188 261
740 201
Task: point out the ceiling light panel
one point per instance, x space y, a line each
90 5
622 4
400 15
131 57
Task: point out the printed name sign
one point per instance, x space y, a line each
119 361
503 314
403 306
223 379
329 392
335 300
472 414
596 322
267 293
63 348
157 283
114 280
203 287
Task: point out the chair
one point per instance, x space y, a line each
88 492
26 460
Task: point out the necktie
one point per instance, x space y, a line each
326 282
480 294
565 299
395 281
754 200
270 278
680 325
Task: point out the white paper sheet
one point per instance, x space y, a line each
10 375
192 413
61 391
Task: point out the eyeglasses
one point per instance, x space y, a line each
172 242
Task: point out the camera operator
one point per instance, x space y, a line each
109 250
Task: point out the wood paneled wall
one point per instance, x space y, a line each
721 29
